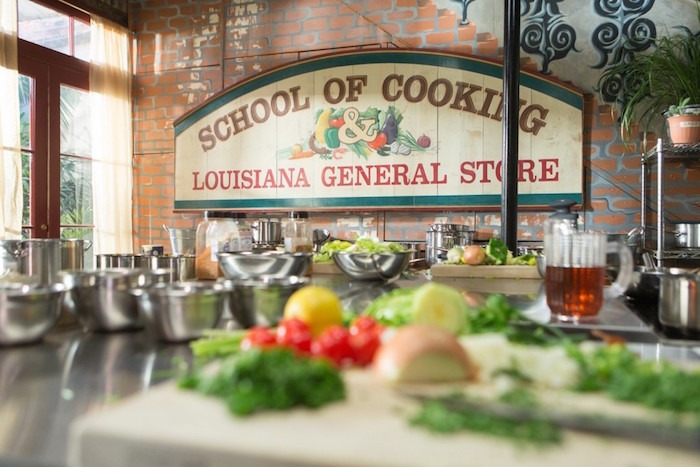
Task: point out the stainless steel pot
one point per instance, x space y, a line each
687 234
267 231
40 258
439 238
73 252
679 302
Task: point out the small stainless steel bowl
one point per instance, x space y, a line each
102 297
261 300
181 311
373 266
28 311
248 264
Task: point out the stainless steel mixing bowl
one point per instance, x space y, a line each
102 298
261 300
373 266
28 311
247 264
181 311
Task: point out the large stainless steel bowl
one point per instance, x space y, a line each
181 311
102 298
373 266
248 264
260 301
28 311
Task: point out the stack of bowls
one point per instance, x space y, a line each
260 301
102 298
260 283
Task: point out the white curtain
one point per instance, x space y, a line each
11 166
110 101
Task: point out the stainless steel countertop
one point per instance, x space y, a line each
45 386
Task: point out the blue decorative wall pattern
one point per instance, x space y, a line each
623 34
545 33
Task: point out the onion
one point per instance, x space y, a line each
473 255
422 354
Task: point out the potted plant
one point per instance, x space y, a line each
661 82
683 122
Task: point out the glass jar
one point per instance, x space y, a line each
213 236
242 238
297 232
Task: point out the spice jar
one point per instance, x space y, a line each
213 236
298 233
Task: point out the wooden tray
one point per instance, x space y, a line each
325 268
486 272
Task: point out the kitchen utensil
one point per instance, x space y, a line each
660 433
261 300
373 266
182 241
246 264
440 238
679 302
28 311
181 311
687 234
73 252
179 268
102 298
267 232
9 250
122 260
320 236
40 258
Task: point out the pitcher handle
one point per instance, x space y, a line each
88 244
624 276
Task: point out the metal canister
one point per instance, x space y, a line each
440 238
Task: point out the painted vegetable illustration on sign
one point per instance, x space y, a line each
337 131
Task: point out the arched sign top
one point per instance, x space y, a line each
376 129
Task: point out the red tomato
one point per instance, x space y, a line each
294 333
336 122
378 142
258 336
334 344
365 323
365 339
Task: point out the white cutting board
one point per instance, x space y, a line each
170 427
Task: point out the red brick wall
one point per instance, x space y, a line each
187 51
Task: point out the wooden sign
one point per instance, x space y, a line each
376 129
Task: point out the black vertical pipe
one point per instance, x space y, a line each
511 104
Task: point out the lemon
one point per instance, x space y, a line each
317 306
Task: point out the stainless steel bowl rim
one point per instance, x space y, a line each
265 281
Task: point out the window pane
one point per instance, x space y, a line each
76 191
43 26
75 122
26 187
26 86
81 40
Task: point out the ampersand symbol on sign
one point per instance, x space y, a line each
354 129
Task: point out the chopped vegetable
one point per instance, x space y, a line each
270 379
497 252
394 308
454 255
